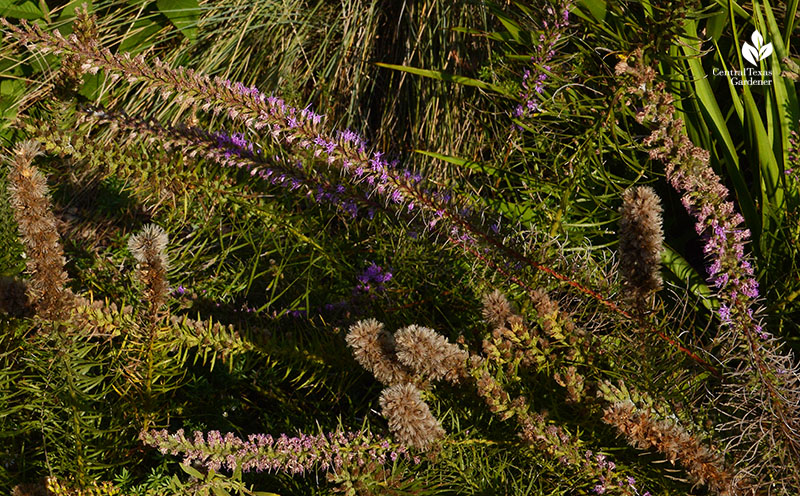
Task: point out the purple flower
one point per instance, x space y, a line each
724 313
374 274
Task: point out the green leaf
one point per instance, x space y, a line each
68 11
716 24
184 14
10 92
786 106
12 87
714 119
513 28
192 471
687 275
733 6
597 8
476 166
92 86
444 76
20 10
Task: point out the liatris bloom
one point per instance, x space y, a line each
149 248
760 394
544 51
37 226
640 241
263 453
374 274
430 354
704 196
374 348
410 419
301 134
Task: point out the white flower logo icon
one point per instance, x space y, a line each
757 51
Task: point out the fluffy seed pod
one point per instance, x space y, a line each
374 348
32 209
149 249
429 354
410 419
496 308
640 241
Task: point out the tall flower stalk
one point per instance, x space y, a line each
762 385
554 27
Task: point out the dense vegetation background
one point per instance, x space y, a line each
223 247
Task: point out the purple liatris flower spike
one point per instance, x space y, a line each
374 274
265 453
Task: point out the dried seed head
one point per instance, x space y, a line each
374 348
149 247
496 308
646 433
37 226
410 419
429 354
641 240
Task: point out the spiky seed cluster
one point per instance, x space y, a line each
374 348
149 248
413 354
410 419
37 227
646 433
496 308
429 354
641 239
